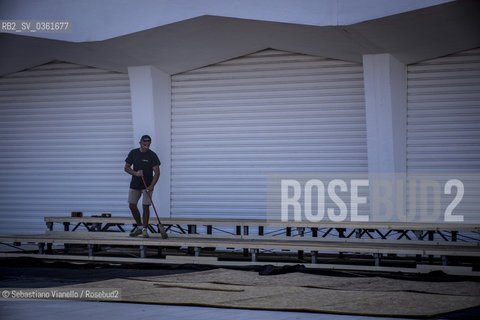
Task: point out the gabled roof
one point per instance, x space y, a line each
174 48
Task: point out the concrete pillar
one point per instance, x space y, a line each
386 115
150 91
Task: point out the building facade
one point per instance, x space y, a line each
256 98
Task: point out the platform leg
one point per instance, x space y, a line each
418 258
314 253
419 235
210 232
192 229
261 230
143 251
245 233
445 260
341 234
90 250
41 248
314 257
301 231
160 252
431 235
454 235
254 254
49 228
197 251
378 257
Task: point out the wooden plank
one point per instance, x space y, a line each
113 235
426 268
465 271
190 259
333 245
272 223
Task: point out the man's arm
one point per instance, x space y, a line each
128 169
156 176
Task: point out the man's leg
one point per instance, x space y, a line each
146 215
133 197
138 220
136 214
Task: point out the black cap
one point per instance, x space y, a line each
146 138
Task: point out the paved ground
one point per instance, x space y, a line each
82 310
33 274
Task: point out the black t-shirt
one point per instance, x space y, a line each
142 161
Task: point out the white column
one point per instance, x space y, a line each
386 115
150 91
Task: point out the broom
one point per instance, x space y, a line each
160 226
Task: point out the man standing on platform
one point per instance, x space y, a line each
147 165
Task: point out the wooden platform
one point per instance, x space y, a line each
437 242
471 249
371 230
254 245
273 223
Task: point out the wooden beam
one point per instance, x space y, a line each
306 244
452 270
280 224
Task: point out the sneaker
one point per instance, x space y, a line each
145 233
136 232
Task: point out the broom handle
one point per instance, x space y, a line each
151 201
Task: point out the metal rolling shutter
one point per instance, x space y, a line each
236 121
65 130
443 129
444 113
